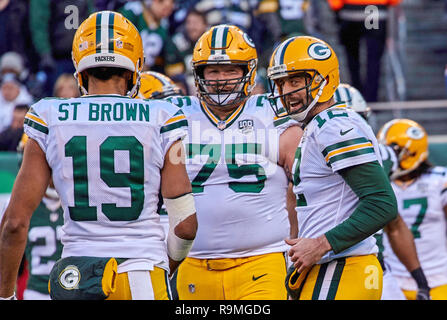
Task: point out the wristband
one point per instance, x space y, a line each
178 210
419 277
178 248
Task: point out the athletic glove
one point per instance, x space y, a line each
423 292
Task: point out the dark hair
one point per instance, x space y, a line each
21 107
422 168
106 73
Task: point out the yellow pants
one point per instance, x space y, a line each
349 278
436 293
252 278
158 282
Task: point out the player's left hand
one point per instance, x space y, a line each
305 252
423 294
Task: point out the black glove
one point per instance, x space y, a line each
423 292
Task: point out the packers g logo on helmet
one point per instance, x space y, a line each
249 40
107 39
415 133
319 51
410 142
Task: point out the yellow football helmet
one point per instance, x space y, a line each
108 39
308 56
155 85
410 142
224 44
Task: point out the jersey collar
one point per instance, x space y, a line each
222 124
335 105
338 105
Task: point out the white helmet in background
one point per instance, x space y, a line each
353 99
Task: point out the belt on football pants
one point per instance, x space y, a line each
221 264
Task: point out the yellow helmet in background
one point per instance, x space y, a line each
410 142
108 39
224 44
155 85
309 56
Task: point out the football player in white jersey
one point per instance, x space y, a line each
421 192
343 194
237 157
398 234
108 155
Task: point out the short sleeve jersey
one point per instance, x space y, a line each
421 205
106 153
335 139
239 188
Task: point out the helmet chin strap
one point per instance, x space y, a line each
81 88
300 117
134 91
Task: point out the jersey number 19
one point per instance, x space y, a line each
76 148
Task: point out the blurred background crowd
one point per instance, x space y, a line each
400 57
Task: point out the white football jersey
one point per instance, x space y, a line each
389 159
106 153
421 206
335 139
239 189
